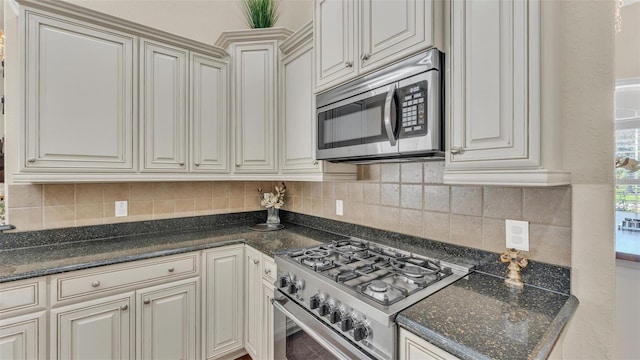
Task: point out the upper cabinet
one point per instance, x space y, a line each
79 96
354 37
497 132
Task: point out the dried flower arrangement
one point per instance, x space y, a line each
271 200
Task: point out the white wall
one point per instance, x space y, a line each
627 310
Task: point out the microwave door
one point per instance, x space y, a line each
356 127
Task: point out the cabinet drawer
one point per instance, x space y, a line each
119 277
269 269
22 296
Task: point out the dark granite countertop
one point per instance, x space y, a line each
478 317
22 263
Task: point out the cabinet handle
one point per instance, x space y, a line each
267 271
31 160
171 269
256 261
147 301
95 283
348 64
365 57
315 162
181 164
124 307
456 150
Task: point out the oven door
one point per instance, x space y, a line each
299 335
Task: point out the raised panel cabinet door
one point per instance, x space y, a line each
253 303
167 325
163 107
495 84
99 329
223 301
335 41
393 29
79 91
298 126
23 337
255 69
414 348
267 321
209 117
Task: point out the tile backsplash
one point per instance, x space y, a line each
407 198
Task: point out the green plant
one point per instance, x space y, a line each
261 13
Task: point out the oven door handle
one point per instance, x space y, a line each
306 321
387 115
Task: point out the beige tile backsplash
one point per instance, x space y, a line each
408 198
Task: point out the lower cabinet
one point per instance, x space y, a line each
413 347
223 292
23 337
259 278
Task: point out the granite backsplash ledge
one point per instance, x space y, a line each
546 276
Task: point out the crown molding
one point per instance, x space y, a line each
275 33
303 35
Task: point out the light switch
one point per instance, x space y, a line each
517 233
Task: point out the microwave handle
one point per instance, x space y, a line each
387 115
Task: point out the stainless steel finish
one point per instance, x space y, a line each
387 115
332 341
95 284
171 269
124 307
31 160
348 64
147 301
456 150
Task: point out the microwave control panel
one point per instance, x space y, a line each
412 102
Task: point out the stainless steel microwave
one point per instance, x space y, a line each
392 115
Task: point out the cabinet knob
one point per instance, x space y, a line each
348 64
95 284
365 57
147 301
456 150
181 164
124 307
31 160
237 165
315 162
256 261
197 164
267 271
171 269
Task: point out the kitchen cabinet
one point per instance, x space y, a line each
497 132
79 96
163 108
354 37
104 326
296 122
223 294
168 321
413 347
259 279
23 320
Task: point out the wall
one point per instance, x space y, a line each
628 43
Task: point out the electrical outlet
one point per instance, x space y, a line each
339 208
517 233
121 208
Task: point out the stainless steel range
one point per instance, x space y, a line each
343 297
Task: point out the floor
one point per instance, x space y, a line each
246 357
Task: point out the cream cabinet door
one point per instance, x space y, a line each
335 41
391 30
298 128
413 347
209 116
253 303
95 329
168 321
223 296
23 337
163 107
255 74
79 92
495 84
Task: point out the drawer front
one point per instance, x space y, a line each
269 269
119 277
22 296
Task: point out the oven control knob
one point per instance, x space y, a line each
360 332
334 316
324 309
346 324
292 289
284 281
314 302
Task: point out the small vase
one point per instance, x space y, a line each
273 215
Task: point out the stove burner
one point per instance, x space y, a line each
316 253
422 269
378 286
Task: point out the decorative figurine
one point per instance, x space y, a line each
516 261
